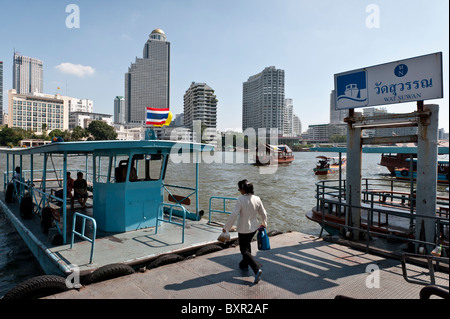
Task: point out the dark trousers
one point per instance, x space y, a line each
246 251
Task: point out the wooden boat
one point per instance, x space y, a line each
329 165
267 154
442 172
393 161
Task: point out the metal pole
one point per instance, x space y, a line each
426 181
64 206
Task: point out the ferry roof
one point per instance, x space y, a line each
380 149
88 147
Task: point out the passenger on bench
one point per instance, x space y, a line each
80 190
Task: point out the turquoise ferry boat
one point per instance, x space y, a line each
131 216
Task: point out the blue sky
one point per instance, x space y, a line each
222 43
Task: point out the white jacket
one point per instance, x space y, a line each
247 208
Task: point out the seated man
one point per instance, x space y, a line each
80 190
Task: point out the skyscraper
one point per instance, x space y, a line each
28 74
200 104
119 114
1 92
147 80
263 100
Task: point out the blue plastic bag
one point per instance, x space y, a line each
263 239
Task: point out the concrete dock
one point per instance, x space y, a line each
298 266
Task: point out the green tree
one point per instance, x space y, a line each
79 133
12 136
101 131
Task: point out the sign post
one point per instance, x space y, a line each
411 80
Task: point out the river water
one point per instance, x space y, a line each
287 193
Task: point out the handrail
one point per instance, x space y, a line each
170 221
327 195
224 205
82 234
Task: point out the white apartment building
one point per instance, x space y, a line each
37 111
83 119
200 104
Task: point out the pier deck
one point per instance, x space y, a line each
133 247
298 266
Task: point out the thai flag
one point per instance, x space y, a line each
156 116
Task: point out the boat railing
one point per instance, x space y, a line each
224 207
82 234
170 215
331 200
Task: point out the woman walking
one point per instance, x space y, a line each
248 206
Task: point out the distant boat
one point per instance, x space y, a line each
328 165
267 154
393 161
442 171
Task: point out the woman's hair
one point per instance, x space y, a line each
246 186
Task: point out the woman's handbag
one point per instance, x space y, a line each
263 239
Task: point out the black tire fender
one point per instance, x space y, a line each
26 207
108 272
404 172
164 260
46 219
208 249
37 287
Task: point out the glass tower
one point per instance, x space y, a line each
263 100
147 80
1 92
28 74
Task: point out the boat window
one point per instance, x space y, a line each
146 167
119 167
101 168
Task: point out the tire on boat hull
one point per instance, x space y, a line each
37 287
108 272
164 260
208 249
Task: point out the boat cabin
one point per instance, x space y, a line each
125 178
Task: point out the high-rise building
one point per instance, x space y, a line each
288 116
263 100
119 110
336 116
1 92
200 104
28 75
147 80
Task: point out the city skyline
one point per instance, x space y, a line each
222 44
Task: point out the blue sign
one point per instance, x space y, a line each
414 79
351 90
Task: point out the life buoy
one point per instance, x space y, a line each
38 287
108 272
404 172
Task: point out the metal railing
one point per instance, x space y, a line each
83 231
223 211
378 203
170 217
